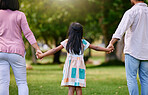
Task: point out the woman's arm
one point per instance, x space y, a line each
98 48
50 52
28 33
37 49
26 30
35 46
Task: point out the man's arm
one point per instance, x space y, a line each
113 41
124 25
111 44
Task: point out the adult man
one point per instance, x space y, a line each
135 26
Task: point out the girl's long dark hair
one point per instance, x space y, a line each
75 34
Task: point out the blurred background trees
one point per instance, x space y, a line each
49 20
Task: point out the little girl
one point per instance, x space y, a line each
74 72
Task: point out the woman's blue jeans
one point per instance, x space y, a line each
18 65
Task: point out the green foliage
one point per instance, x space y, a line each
112 13
50 19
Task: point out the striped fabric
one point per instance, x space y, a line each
74 72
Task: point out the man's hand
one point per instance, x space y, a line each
110 46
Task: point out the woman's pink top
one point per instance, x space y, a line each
12 23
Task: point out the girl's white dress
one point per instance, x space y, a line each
74 72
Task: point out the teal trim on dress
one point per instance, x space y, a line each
73 73
84 42
81 73
76 83
63 74
69 62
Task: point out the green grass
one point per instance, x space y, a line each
46 79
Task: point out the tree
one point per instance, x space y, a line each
50 19
112 13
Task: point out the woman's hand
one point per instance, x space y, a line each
39 54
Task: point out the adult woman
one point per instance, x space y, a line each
12 50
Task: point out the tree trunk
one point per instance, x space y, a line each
57 55
111 56
107 32
108 25
34 60
89 54
107 39
118 52
46 42
119 49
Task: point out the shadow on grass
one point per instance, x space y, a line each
47 67
47 63
108 64
112 63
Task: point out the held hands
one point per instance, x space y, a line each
39 54
111 48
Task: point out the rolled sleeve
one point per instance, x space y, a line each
26 30
124 25
118 36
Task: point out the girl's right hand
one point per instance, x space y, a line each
39 54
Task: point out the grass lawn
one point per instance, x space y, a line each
46 79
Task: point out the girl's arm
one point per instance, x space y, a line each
50 52
98 48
